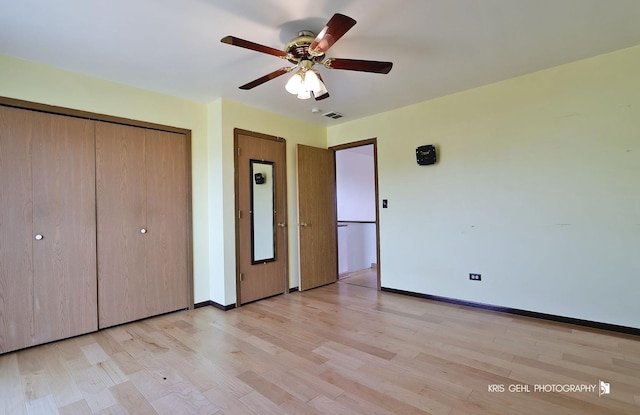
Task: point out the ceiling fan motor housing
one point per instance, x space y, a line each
299 47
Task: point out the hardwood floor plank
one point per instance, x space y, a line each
112 371
94 353
126 363
341 348
259 404
325 405
316 383
45 405
12 399
35 385
264 387
299 390
226 402
365 392
98 401
131 400
61 382
360 405
76 408
113 410
186 401
295 407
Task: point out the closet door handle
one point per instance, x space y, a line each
143 231
39 237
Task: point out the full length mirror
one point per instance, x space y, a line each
262 212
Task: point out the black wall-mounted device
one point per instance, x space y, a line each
426 155
260 178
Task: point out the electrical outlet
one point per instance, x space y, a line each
475 277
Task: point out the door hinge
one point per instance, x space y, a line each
241 277
238 151
239 214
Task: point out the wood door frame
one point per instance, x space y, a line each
236 133
52 109
361 143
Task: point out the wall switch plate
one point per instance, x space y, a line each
475 277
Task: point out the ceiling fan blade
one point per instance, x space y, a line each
359 65
337 26
231 40
266 78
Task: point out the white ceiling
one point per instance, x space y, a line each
437 46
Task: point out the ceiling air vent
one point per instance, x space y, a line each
334 115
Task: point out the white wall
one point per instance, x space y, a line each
356 246
355 184
537 189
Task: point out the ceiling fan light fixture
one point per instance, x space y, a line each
304 94
305 82
295 83
321 87
311 81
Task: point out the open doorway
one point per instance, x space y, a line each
357 214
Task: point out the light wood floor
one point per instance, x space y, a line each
339 349
365 278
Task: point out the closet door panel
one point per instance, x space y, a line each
65 285
166 170
16 237
121 219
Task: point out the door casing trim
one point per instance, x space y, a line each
236 133
361 143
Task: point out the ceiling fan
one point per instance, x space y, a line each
305 51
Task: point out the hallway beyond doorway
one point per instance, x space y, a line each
367 277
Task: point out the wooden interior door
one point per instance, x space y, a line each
167 224
121 219
48 230
64 259
143 223
317 225
16 233
264 278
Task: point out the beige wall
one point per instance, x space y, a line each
537 189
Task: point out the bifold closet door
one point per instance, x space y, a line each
167 237
47 228
64 227
16 236
142 223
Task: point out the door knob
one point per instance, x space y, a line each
303 224
39 237
143 230
281 225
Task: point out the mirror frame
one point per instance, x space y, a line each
270 181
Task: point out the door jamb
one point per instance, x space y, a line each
361 143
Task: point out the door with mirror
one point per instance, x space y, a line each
260 216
